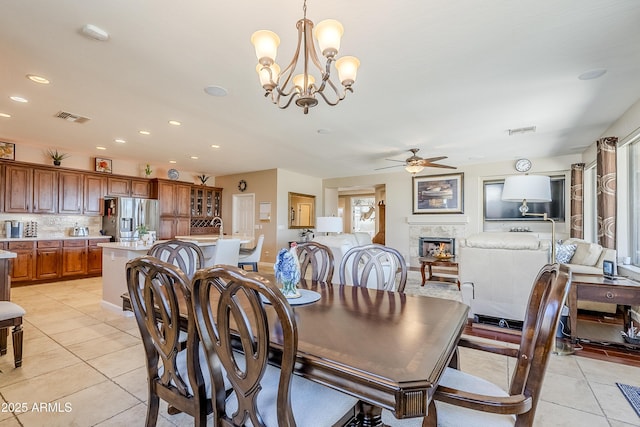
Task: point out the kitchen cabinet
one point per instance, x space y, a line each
45 189
206 203
74 257
22 266
118 187
141 188
70 185
94 188
18 189
174 200
48 255
94 256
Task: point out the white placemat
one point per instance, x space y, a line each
306 297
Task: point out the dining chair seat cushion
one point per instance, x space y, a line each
305 398
10 310
455 416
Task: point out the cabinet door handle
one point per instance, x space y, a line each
609 295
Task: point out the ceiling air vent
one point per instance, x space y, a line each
517 131
70 117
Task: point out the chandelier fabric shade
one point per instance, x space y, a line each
296 82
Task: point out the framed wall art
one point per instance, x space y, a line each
7 150
103 165
438 194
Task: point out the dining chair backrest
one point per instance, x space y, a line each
159 292
318 259
187 256
228 302
252 256
375 266
227 252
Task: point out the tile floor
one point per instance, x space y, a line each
84 366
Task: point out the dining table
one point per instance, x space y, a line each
388 349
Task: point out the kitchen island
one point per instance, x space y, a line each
115 256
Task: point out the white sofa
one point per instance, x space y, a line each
500 267
340 244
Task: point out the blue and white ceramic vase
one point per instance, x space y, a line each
287 269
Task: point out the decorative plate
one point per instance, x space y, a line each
173 174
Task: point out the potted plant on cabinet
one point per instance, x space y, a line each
56 156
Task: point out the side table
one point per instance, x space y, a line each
431 262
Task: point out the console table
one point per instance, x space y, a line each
621 291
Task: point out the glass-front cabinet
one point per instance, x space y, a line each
206 203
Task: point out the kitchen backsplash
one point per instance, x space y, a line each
55 226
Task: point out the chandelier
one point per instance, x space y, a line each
283 87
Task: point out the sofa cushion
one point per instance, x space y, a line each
506 240
586 253
564 253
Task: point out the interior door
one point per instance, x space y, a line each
243 214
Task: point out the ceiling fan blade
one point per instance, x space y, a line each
433 159
387 167
435 165
394 160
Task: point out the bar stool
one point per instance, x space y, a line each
11 316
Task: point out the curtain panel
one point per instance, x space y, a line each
606 191
577 200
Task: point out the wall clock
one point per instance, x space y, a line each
523 165
242 185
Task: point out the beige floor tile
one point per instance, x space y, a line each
135 382
134 417
120 362
38 364
92 348
10 422
614 407
88 331
565 365
54 385
491 367
602 372
551 415
570 392
65 325
615 423
86 407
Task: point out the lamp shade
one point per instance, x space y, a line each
329 224
532 188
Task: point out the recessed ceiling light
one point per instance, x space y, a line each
215 146
38 79
174 122
101 148
324 131
592 74
216 91
172 161
5 115
120 140
144 132
18 99
194 157
95 33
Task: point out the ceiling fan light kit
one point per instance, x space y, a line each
286 86
416 164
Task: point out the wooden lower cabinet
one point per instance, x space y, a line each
43 260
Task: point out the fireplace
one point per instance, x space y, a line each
428 245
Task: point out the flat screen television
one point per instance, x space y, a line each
495 209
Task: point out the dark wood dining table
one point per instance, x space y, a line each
388 349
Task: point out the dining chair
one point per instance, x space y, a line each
230 307
464 399
187 256
318 259
251 256
374 266
11 317
173 373
227 252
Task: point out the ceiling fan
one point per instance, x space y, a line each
415 163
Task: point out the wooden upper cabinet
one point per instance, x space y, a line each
70 192
117 186
174 198
18 189
45 189
183 200
141 188
94 189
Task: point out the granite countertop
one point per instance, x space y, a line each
127 246
34 239
7 254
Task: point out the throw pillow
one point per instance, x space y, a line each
564 253
586 253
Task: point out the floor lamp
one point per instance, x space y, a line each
329 224
531 188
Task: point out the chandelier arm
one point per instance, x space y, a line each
289 98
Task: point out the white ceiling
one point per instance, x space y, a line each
448 77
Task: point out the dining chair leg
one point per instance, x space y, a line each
3 341
431 420
16 335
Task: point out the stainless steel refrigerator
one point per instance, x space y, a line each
123 216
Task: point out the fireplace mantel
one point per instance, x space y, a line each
437 219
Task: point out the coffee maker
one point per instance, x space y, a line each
14 229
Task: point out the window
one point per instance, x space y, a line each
634 200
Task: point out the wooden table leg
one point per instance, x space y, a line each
369 415
422 266
573 312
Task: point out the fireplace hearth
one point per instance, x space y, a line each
428 245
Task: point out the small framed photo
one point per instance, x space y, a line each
7 150
439 194
103 165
